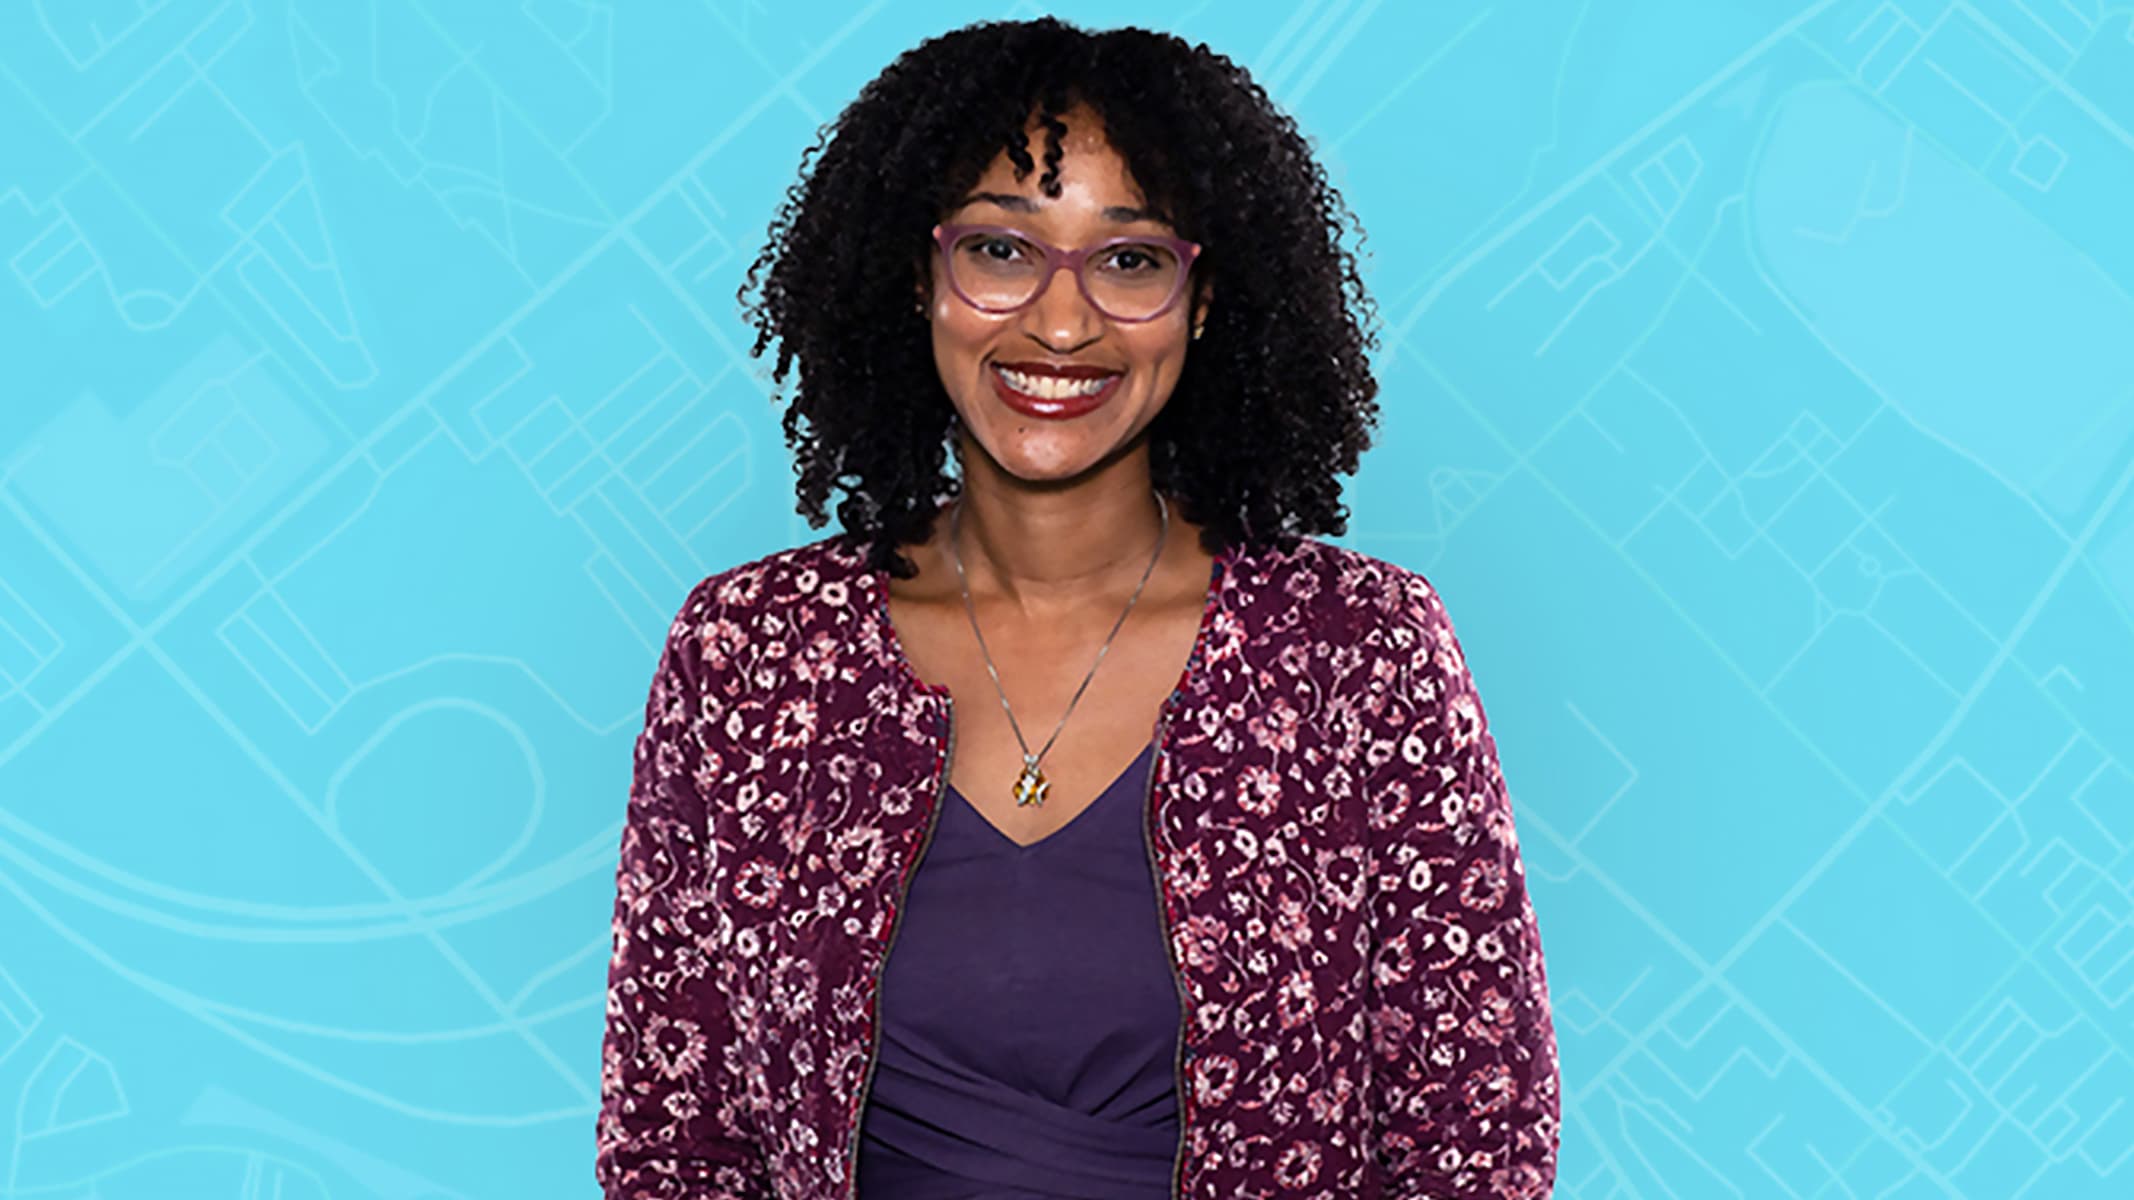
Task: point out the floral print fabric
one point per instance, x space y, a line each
1366 1009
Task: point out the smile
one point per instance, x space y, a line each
1051 397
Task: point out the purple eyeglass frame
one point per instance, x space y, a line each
945 239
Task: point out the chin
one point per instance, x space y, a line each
1042 454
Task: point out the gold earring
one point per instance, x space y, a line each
1198 330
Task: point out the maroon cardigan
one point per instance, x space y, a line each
1358 962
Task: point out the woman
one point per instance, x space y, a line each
914 898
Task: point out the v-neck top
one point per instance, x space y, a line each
1029 1016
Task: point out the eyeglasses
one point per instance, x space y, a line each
1001 270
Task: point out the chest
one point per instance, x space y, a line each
1082 708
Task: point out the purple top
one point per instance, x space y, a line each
1029 1016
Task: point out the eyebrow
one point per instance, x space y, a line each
1023 204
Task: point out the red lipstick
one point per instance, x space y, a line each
1052 408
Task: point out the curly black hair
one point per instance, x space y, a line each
1277 399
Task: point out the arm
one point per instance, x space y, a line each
672 1114
1466 1074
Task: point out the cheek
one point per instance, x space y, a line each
953 345
1163 359
959 329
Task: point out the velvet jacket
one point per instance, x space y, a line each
1366 1012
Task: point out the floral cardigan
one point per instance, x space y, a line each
1365 1010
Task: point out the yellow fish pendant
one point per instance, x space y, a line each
1030 785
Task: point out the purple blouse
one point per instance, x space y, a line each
1029 1016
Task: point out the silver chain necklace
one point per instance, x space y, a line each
1030 785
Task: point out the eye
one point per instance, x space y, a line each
1138 259
993 246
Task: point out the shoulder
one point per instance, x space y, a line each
739 630
1335 591
782 586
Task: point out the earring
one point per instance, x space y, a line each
1198 330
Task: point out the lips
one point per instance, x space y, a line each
1054 407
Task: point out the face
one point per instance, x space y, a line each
1034 440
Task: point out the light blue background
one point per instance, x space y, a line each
1759 385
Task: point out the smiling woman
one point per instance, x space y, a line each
1111 338
1257 924
1070 138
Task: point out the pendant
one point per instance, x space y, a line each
1030 785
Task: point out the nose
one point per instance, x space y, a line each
1061 317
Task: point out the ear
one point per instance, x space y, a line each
1203 298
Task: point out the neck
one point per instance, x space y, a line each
1042 550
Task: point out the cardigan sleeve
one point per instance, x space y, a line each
672 1121
1466 1069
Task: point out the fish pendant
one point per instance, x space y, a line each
1030 785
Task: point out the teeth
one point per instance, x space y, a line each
1050 388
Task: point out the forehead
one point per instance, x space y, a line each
1095 181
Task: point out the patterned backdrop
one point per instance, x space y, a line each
1759 393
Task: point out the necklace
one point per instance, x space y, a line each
1030 785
